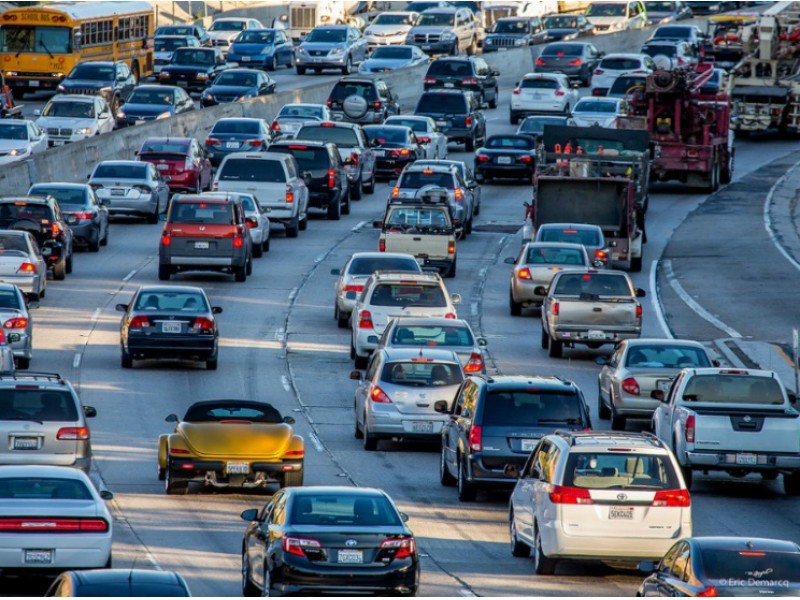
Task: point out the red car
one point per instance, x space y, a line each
182 160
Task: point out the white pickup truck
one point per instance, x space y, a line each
735 420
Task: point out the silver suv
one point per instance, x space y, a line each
42 422
445 31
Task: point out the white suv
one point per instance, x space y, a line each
614 65
388 295
598 495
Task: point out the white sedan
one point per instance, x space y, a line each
614 65
53 519
540 93
602 112
20 140
427 132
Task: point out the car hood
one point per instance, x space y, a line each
188 68
264 440
244 48
223 35
85 83
506 36
231 89
162 55
65 122
146 110
321 46
385 63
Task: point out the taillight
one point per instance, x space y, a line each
382 246
379 396
468 121
298 546
55 230
559 92
516 91
451 247
276 126
688 429
354 158
50 525
212 141
331 178
459 194
353 288
403 152
569 495
73 433
295 454
639 311
475 364
525 159
475 438
251 225
483 158
166 239
709 592
423 139
365 320
27 267
539 62
377 105
450 316
576 63
469 81
598 71
330 103
672 498
289 194
601 255
556 308
238 241
178 451
525 274
429 80
139 321
16 323
204 324
631 386
82 216
256 143
403 547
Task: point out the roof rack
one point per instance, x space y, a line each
573 436
37 375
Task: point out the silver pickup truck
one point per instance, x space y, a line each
589 307
735 420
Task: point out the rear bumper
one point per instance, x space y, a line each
387 167
320 198
26 284
297 576
143 207
85 230
458 134
164 346
569 71
369 117
727 460
524 292
558 544
583 336
203 262
479 472
69 551
392 423
494 170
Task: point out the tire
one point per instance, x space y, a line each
161 473
348 66
173 487
451 272
357 433
445 477
301 70
555 349
370 441
356 190
293 479
68 264
513 118
335 210
602 410
152 218
23 362
369 188
473 47
104 241
515 308
791 484
455 50
60 270
249 589
293 230
164 273
125 360
258 250
274 65
496 99
346 203
211 364
361 362
469 145
542 565
303 223
726 176
240 274
468 227
342 320
518 549
636 264
688 476
545 340
265 245
94 245
617 422
466 490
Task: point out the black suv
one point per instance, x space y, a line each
470 74
324 174
457 114
362 100
193 69
497 421
111 80
42 218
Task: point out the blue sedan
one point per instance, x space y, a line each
262 48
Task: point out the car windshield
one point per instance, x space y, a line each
389 19
666 357
538 255
595 106
106 171
561 22
346 89
10 298
367 265
446 104
514 142
342 508
563 50
415 125
621 64
432 335
743 565
733 389
385 135
539 84
417 218
451 68
673 33
344 137
532 408
256 37
152 96
536 124
309 158
237 79
43 488
69 109
149 300
16 211
248 170
660 50
37 405
234 126
606 9
593 284
67 198
257 412
436 20
402 294
174 30
14 132
166 150
193 57
391 52
169 44
585 237
620 471
294 111
227 26
661 7
202 213
522 26
93 72
422 372
418 179
325 35
422 6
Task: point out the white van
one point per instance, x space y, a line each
616 15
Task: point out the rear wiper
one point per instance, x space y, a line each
22 419
557 421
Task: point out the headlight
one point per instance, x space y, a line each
301 50
209 97
61 88
84 131
519 42
619 25
337 51
164 75
202 76
246 96
120 115
368 32
164 115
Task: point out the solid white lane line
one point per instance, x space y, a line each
317 443
76 362
96 314
655 301
691 303
286 383
466 593
129 275
768 217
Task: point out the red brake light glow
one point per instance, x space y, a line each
672 498
525 274
475 364
569 495
689 429
475 438
298 546
204 324
365 320
631 386
379 396
73 433
403 547
27 267
50 525
16 323
139 321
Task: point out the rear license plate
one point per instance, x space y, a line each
620 513
596 335
441 123
380 153
422 426
26 443
503 160
350 557
528 445
201 245
746 459
238 468
245 59
537 96
663 385
117 192
171 327
38 557
449 85
162 167
33 83
232 144
139 122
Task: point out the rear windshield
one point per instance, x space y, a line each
621 64
390 52
344 90
531 408
247 170
447 104
743 565
585 237
417 218
430 335
733 389
517 143
385 135
161 148
12 245
554 256
414 124
332 508
595 106
17 211
344 137
539 84
619 470
662 50
121 171
236 127
666 357
202 213
367 266
64 196
536 124
674 33
417 179
299 112
622 84
451 68
171 301
309 158
562 50
37 405
408 294
8 298
422 373
593 284
213 412
29 488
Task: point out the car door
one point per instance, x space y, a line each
523 495
365 387
450 431
256 540
105 120
36 138
608 373
102 212
204 164
126 82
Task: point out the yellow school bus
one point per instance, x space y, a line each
39 45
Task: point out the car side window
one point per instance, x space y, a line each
665 566
372 368
549 462
681 559
290 170
470 400
616 358
278 516
266 512
458 408
124 71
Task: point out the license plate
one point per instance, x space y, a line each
232 144
537 96
33 83
528 445
201 245
596 335
503 160
238 468
426 47
58 142
26 443
441 123
139 122
171 327
162 167
449 85
746 459
38 557
350 557
620 513
664 385
117 192
245 59
318 60
422 426
380 153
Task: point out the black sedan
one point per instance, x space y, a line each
534 125
338 540
238 85
506 156
151 102
566 27
120 583
193 68
514 32
85 214
169 323
725 566
395 146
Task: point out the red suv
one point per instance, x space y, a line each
183 160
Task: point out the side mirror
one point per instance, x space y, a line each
122 307
377 224
716 363
37 112
102 202
106 495
511 471
250 515
456 298
47 251
171 419
336 271
601 360
646 566
289 420
792 399
540 290
216 310
90 412
640 293
440 406
355 375
657 395
510 261
483 342
392 182
495 73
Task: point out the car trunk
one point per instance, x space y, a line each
237 438
212 240
235 142
338 548
166 163
553 61
653 379
507 156
419 244
29 442
66 508
747 428
10 263
419 400
381 315
601 313
542 275
170 323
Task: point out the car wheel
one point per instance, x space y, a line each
94 245
369 188
513 117
518 549
451 272
126 360
68 264
274 65
555 349
370 441
211 364
688 475
23 362
60 270
617 422
301 70
357 433
342 319
466 490
164 272
469 145
293 228
346 202
161 473
293 478
445 477
172 486
361 362
240 273
152 218
468 227
348 66
303 223
542 565
602 410
515 308
265 245
335 210
493 102
249 266
258 250
104 241
356 190
249 589
545 340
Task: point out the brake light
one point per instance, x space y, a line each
298 546
395 191
354 158
276 126
204 324
16 323
55 230
559 92
483 158
353 288
539 62
569 495
330 103
331 178
639 311
82 216
27 267
688 429
365 320
178 451
631 386
525 159
469 81
139 321
450 316
289 194
525 274
403 152
327 124
423 139
598 71
600 255
468 121
382 245
295 454
429 80
459 194
556 308
256 143
576 63
73 433
403 547
251 225
212 141
451 247
377 105
379 396
672 498
516 91
166 240
709 592
238 241
475 363
475 438
50 525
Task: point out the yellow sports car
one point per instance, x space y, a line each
230 443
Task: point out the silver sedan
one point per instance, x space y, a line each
427 132
17 323
22 263
639 367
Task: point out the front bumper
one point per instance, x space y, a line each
442 47
250 60
727 460
321 62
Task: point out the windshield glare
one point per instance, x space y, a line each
256 37
435 20
733 389
327 36
332 509
74 110
606 9
422 374
14 132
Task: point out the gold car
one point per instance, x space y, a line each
230 443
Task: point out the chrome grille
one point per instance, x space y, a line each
318 52
303 18
502 42
55 131
427 38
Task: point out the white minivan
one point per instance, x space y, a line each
616 15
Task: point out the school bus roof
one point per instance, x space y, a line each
80 11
